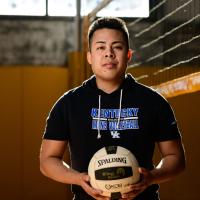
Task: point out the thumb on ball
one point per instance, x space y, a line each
86 178
142 170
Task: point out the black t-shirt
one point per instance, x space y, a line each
134 116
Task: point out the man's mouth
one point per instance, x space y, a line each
109 65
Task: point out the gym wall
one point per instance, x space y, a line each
27 95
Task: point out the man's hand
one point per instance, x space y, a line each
95 193
136 189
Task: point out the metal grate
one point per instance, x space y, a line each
166 44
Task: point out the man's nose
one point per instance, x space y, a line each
109 53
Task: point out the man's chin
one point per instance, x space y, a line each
111 77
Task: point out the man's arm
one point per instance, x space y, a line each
53 166
171 164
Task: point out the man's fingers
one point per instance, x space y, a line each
143 171
131 195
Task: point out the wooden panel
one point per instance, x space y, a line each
182 85
42 87
10 123
186 185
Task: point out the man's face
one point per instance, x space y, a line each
109 55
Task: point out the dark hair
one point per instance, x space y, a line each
111 23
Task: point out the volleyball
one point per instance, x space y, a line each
112 169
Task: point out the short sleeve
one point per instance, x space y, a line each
166 124
57 123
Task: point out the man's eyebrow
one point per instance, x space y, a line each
115 42
100 42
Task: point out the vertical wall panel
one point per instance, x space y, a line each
10 130
185 186
42 87
27 94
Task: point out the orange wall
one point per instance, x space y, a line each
187 111
27 94
11 143
185 186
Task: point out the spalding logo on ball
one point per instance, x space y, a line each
112 169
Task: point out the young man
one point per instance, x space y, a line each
111 108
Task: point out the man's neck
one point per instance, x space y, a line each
108 86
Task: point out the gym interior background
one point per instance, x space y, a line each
42 56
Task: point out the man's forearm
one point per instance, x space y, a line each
168 167
58 170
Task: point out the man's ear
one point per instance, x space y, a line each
89 57
129 54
